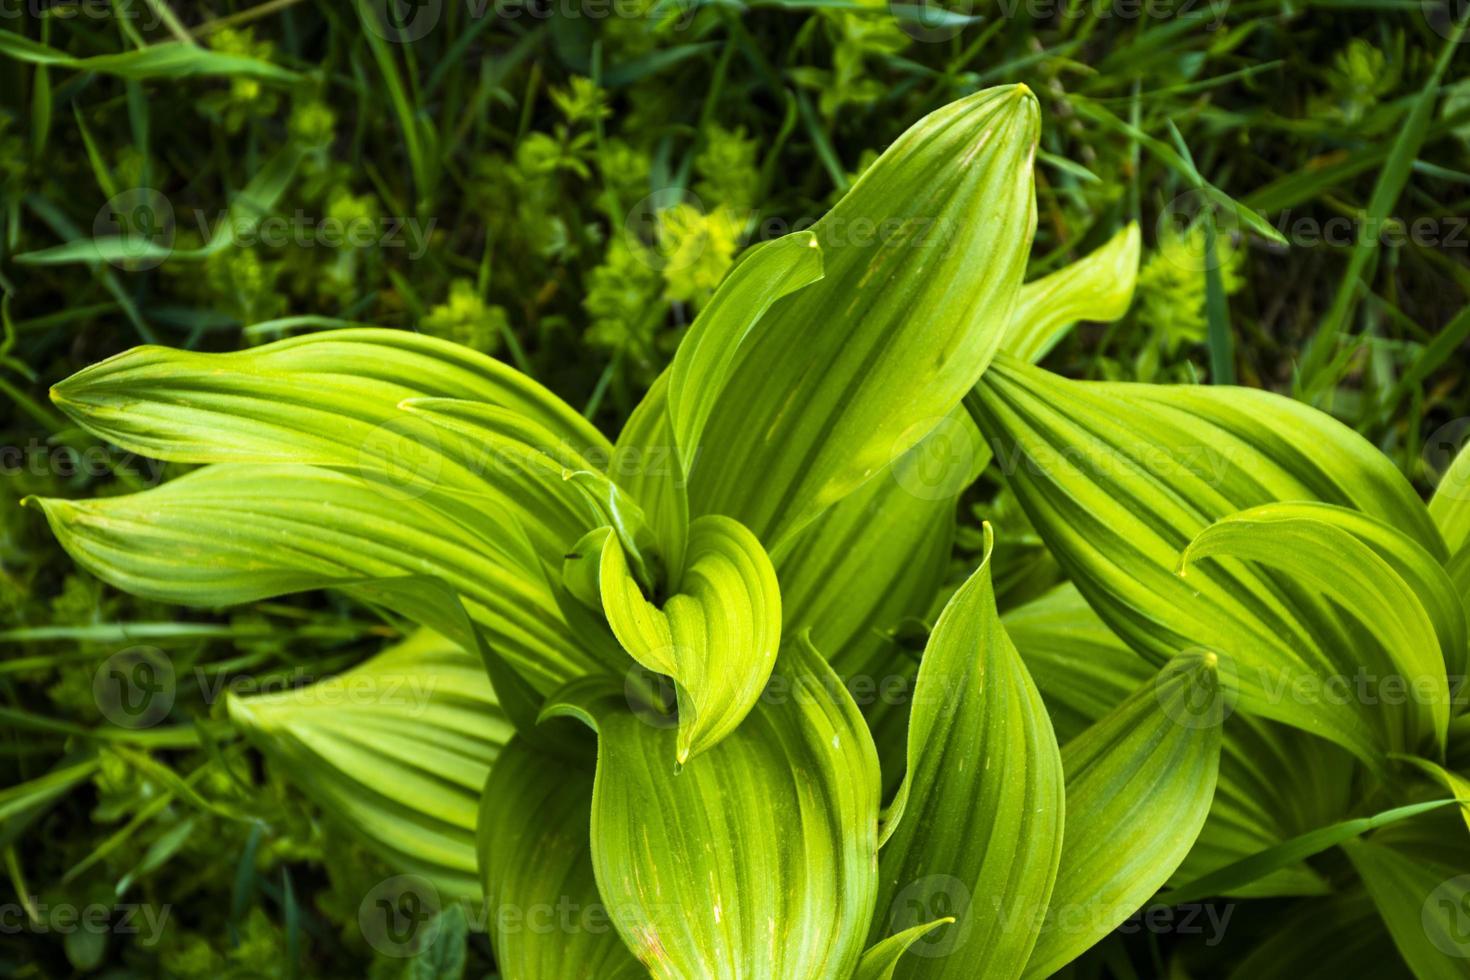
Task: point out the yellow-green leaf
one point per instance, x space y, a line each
717 637
757 859
396 751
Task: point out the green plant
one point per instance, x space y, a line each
708 593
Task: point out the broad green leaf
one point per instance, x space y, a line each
1275 782
1310 544
717 638
874 562
1450 507
922 263
166 59
757 859
396 750
228 534
547 919
1097 287
332 399
976 829
877 558
1139 787
1424 901
1119 478
1080 666
555 484
881 959
708 353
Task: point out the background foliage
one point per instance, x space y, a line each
562 185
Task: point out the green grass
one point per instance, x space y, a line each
501 172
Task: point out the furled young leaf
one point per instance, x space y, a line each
546 916
757 859
1139 786
922 262
1119 478
976 829
717 638
1312 545
1275 782
396 750
1097 287
228 533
